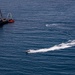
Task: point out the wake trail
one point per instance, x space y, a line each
68 44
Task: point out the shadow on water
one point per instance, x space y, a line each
1 26
1 31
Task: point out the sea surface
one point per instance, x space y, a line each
44 28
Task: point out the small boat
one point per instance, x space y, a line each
27 51
7 20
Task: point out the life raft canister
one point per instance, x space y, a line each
11 21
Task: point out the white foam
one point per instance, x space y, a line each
52 25
56 47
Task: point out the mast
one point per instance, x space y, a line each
1 16
9 16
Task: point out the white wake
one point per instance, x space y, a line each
68 44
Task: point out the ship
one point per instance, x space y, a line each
4 21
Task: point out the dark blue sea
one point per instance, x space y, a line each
43 28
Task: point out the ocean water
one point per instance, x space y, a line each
44 28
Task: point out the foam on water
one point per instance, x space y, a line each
63 26
52 25
68 44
